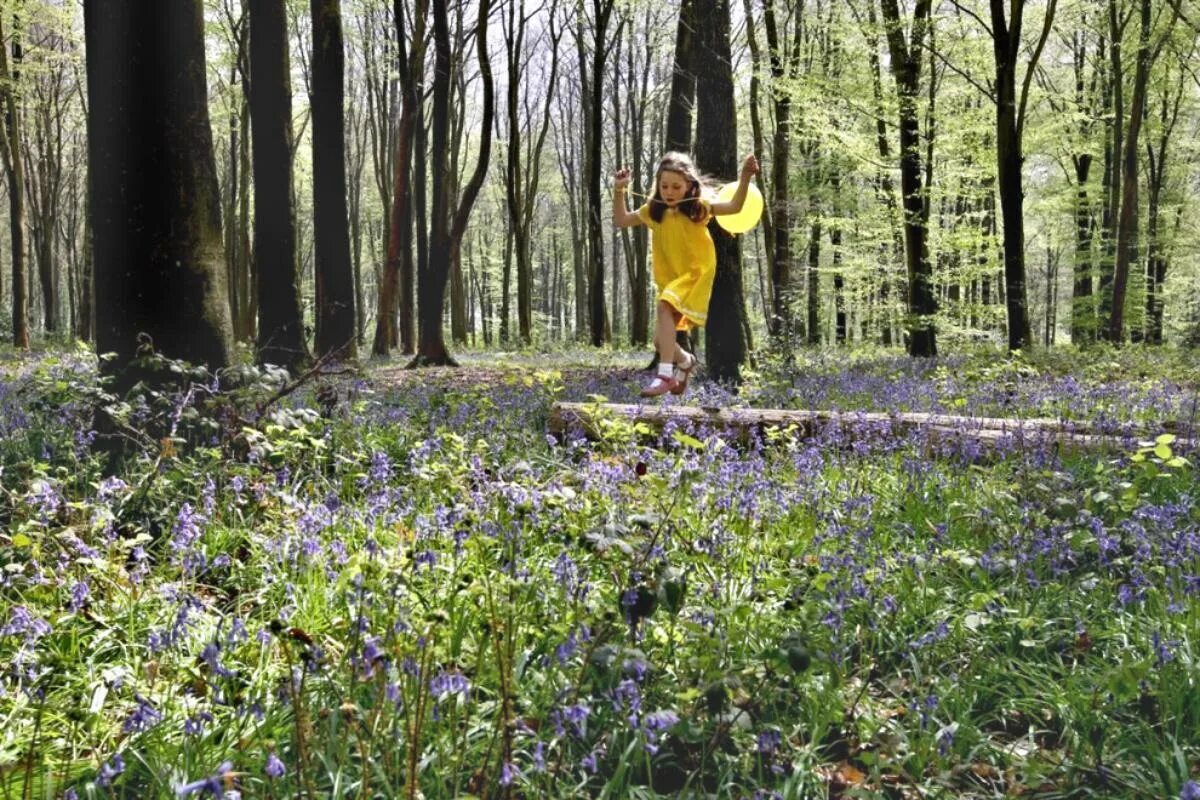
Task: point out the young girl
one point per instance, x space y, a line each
683 256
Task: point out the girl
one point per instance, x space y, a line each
683 256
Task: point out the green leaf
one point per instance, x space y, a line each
1163 451
688 441
21 540
1165 438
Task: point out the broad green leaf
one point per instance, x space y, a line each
688 441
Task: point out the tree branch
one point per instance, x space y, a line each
973 16
984 90
1037 54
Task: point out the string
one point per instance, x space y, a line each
652 199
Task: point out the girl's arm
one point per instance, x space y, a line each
622 216
734 204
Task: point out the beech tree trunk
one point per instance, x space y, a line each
396 289
716 154
11 150
1127 231
906 70
1010 121
331 231
446 231
601 14
159 261
683 82
785 64
280 311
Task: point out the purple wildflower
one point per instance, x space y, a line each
274 767
768 741
109 770
144 717
213 784
509 773
448 683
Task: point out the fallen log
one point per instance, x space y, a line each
593 419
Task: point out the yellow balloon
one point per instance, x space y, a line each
748 217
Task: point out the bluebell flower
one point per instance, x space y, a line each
1162 649
571 718
110 770
768 741
1190 791
446 684
274 767
213 785
144 717
509 773
22 623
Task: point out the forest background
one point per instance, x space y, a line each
933 170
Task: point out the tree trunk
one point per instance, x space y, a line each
1006 48
886 189
1114 113
1083 303
716 154
767 224
906 70
600 330
445 231
812 280
10 148
1156 261
159 264
1127 232
280 311
334 273
785 64
683 81
397 286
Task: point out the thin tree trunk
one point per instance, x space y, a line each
334 273
280 314
1127 232
11 150
906 70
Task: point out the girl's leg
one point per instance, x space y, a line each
664 345
664 333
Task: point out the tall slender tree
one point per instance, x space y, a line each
395 320
907 57
331 231
280 311
11 151
1127 229
601 43
1156 156
447 225
784 49
1010 126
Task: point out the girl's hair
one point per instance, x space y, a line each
690 205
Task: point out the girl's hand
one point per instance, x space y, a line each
749 166
621 178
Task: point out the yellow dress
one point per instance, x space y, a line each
684 261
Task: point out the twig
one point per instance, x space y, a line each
296 384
